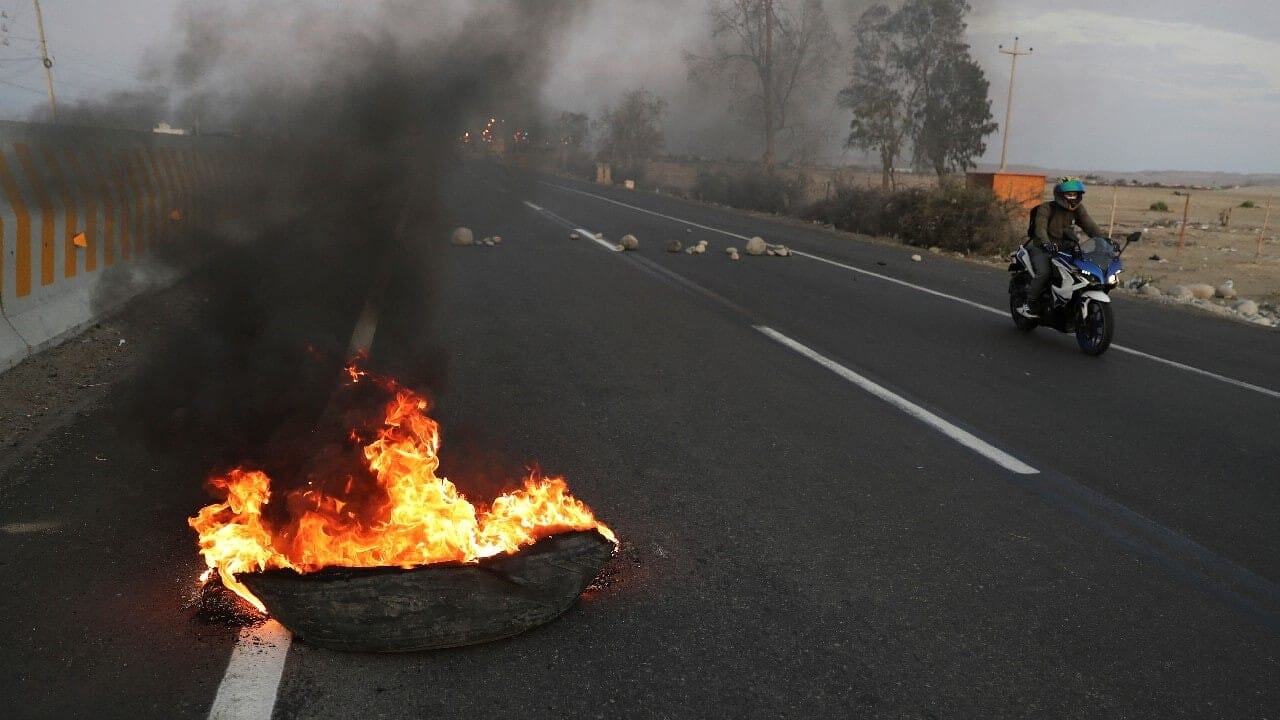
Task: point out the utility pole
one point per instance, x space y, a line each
1008 111
770 152
48 64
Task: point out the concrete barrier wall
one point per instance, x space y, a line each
82 209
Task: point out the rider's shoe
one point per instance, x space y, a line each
1025 311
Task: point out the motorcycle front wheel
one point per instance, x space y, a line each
1094 332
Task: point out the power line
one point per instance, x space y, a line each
20 87
16 14
20 70
83 67
79 53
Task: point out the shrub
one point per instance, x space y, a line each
1160 206
752 190
955 217
623 172
952 217
864 210
712 187
1248 204
580 165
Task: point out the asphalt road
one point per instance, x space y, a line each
946 519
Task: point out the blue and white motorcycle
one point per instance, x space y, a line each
1077 299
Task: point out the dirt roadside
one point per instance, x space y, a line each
48 389
1229 235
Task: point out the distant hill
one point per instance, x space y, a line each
1172 178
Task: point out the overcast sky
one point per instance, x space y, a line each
1132 85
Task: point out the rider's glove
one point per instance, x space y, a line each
1049 245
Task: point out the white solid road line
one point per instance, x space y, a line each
1119 348
1203 373
965 438
647 212
919 288
1181 555
248 689
903 283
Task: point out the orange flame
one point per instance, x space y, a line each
423 519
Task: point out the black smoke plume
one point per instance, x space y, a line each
345 123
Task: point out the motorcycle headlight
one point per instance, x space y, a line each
1113 279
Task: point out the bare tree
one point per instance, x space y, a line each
571 133
571 129
771 56
632 131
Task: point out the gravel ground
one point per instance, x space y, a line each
49 388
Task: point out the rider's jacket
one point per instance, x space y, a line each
1050 220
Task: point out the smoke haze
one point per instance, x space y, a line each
350 118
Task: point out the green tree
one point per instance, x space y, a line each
632 131
572 129
770 56
952 112
956 120
914 84
878 93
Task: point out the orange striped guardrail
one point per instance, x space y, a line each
74 202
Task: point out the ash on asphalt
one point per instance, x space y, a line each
216 605
616 571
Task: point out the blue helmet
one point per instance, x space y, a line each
1069 192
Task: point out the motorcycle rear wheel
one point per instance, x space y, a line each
1094 332
1017 296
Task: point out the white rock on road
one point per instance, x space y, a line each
629 242
1226 290
462 236
756 246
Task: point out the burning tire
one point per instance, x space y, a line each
376 552
433 606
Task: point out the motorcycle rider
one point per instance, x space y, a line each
1049 223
